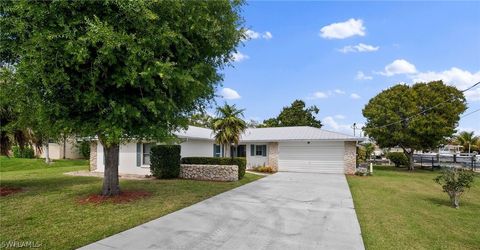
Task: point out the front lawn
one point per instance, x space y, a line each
47 210
398 209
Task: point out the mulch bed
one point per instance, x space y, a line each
4 191
124 197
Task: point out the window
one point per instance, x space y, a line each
258 150
146 153
217 150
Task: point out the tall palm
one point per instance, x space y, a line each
228 126
467 140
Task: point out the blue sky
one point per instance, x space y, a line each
338 55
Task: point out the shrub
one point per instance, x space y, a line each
165 161
398 158
454 182
26 152
362 171
84 148
241 162
264 169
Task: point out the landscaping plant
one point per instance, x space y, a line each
455 181
398 158
165 161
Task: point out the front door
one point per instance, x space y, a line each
238 151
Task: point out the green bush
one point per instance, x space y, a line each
165 161
241 162
27 152
455 182
398 158
84 148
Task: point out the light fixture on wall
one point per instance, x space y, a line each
308 142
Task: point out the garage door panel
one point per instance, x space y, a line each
321 157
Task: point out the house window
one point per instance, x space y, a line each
217 150
258 150
146 153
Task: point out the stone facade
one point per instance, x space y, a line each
209 172
93 156
350 157
273 155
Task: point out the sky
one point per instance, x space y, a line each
338 55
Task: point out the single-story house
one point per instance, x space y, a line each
63 149
301 149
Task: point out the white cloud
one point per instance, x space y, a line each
331 124
252 35
351 27
319 95
339 91
238 57
229 94
354 96
462 79
399 66
340 117
361 76
267 35
361 47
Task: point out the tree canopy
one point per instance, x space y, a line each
468 141
297 114
119 69
417 117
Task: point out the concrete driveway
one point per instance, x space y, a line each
282 211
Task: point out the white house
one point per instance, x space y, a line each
64 149
300 149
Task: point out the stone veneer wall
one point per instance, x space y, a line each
93 156
209 172
273 155
350 157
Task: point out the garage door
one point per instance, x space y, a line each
318 157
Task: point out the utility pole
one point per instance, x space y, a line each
354 126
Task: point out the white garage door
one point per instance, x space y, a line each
318 157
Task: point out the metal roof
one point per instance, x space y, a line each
273 134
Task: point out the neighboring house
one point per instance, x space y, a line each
301 149
65 149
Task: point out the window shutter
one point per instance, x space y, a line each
264 150
214 147
139 154
252 150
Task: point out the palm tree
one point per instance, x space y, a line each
467 140
228 126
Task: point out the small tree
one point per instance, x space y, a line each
454 182
398 158
228 126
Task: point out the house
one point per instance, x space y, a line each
300 149
64 149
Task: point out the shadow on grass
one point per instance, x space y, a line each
50 183
445 202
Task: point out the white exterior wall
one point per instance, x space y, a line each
255 161
56 150
127 163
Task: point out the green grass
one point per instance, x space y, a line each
48 211
398 209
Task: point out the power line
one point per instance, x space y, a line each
469 113
428 109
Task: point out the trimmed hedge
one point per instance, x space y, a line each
398 158
27 152
165 161
241 162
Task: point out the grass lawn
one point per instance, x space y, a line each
402 210
48 212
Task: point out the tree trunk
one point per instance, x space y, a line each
47 152
455 199
409 155
226 150
110 181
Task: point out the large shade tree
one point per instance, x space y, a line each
119 70
228 126
417 117
297 114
